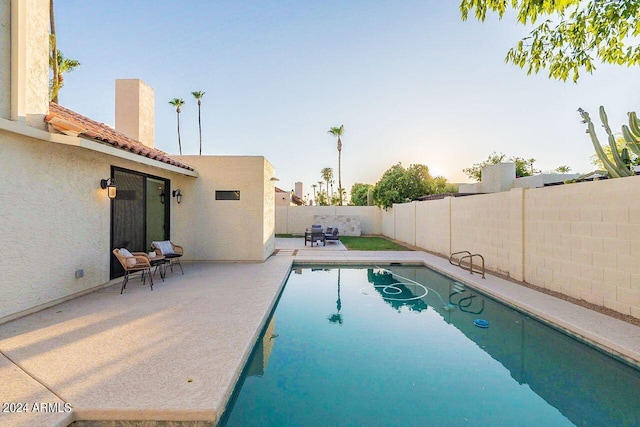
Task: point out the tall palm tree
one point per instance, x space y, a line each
338 132
327 175
314 192
198 96
320 184
177 102
53 62
61 66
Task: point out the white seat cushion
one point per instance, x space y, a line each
130 261
165 247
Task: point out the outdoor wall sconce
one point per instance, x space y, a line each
110 185
178 195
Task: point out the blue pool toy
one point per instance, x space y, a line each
481 323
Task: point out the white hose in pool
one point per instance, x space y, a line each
408 282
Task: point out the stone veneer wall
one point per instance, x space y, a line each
296 219
347 225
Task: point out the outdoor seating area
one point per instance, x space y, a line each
165 254
315 234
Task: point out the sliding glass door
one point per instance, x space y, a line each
139 213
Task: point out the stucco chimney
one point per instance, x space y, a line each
135 110
299 189
27 40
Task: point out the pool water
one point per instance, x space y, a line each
363 347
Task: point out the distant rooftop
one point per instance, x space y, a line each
71 123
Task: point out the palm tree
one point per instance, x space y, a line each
177 102
338 132
63 66
327 175
320 184
314 192
198 96
53 62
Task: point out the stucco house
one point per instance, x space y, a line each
287 198
57 222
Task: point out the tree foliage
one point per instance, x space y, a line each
524 167
359 193
399 185
59 65
571 35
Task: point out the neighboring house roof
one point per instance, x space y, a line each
295 199
71 123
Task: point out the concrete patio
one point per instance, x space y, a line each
175 354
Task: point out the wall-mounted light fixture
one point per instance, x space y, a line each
110 185
178 195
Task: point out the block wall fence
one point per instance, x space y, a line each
578 239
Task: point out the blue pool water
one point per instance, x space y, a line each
362 347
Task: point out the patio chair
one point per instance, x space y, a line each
133 262
331 235
171 252
314 234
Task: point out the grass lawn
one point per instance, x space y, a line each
358 243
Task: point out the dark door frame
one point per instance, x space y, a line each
114 273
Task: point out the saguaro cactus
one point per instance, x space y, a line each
620 166
631 133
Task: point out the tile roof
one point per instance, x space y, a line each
71 123
295 199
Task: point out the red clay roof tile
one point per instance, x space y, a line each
70 122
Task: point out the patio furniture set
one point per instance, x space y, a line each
316 234
164 254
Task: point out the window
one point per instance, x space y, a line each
228 195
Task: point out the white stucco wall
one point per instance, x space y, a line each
5 59
226 230
30 61
54 219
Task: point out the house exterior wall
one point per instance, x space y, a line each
226 230
29 62
5 59
55 219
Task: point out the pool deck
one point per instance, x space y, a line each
175 354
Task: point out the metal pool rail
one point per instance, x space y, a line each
467 260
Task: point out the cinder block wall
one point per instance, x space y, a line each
581 240
577 239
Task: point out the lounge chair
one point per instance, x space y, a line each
314 234
171 252
331 235
133 262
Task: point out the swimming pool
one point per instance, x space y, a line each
399 346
